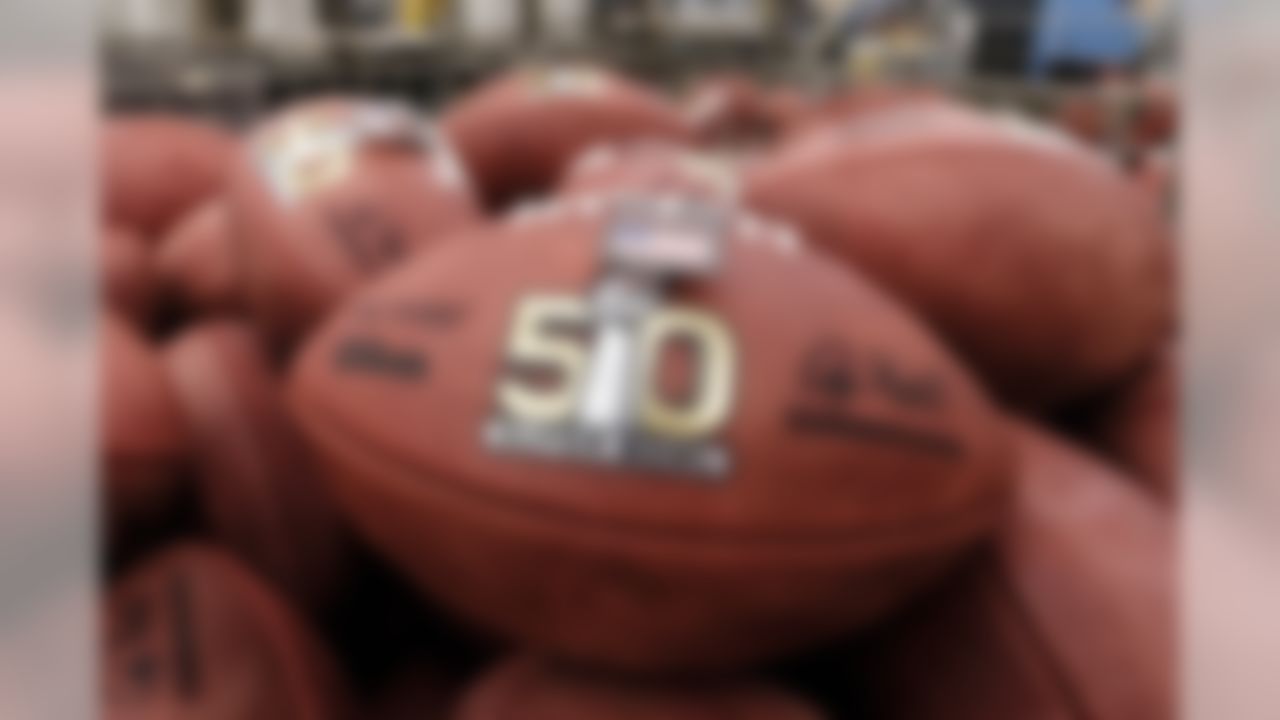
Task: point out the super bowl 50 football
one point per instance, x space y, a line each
332 192
651 432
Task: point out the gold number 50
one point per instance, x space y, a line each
542 339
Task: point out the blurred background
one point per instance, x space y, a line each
231 57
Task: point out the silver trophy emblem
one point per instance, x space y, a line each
651 245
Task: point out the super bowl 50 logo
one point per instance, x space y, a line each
621 377
304 156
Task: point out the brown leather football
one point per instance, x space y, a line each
1137 426
520 130
1070 615
258 489
198 266
144 436
193 635
980 225
127 276
650 432
156 168
328 194
529 689
652 167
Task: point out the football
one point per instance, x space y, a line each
127 278
256 485
192 634
975 222
525 688
519 131
650 431
652 167
144 437
1070 614
331 192
197 266
155 168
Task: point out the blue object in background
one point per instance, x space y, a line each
1085 33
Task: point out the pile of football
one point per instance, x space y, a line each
587 401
